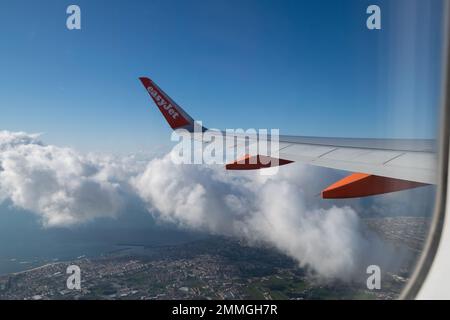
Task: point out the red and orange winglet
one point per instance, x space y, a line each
170 110
359 185
256 162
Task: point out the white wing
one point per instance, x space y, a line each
382 165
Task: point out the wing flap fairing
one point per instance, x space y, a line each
359 185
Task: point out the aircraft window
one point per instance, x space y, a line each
323 179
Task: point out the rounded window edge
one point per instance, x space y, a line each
427 257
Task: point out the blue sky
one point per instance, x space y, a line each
306 67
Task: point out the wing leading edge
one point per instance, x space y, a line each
378 165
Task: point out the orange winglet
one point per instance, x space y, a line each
256 162
362 185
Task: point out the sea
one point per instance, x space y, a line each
25 243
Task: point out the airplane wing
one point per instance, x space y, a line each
378 165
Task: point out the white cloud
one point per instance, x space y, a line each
60 185
259 209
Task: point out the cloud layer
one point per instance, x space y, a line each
60 185
64 188
268 210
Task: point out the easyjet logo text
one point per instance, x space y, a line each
162 103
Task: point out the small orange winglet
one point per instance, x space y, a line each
256 162
362 185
